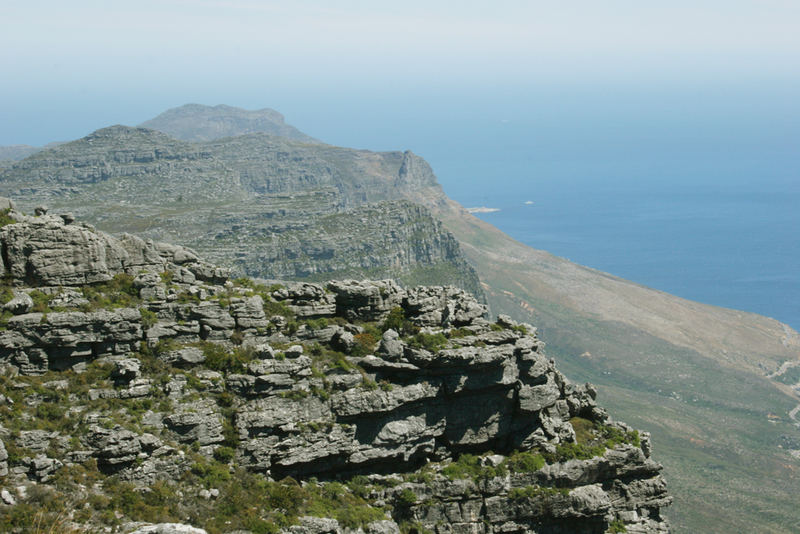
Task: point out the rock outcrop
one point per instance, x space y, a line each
146 368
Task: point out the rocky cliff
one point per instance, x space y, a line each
263 205
717 388
140 383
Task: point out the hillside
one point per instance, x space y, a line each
263 205
693 375
139 384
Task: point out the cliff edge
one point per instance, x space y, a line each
141 385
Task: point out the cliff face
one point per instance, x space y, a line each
265 206
140 383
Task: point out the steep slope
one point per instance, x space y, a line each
263 205
138 383
695 375
195 122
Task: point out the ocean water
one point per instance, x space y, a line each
693 190
736 248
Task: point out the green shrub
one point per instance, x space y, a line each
274 307
335 500
119 292
224 454
406 498
41 301
469 466
220 359
574 451
520 329
589 433
459 332
5 219
584 429
211 474
397 321
360 486
149 318
524 462
49 411
364 344
6 294
159 504
431 342
617 527
317 324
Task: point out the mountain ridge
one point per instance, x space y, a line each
694 375
197 122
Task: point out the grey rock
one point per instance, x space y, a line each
185 356
382 527
126 370
43 468
295 351
7 498
199 422
35 440
168 528
343 341
113 447
21 303
3 460
314 525
390 346
365 300
45 251
535 398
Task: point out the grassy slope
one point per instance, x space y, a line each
691 374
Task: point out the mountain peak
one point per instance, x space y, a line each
198 122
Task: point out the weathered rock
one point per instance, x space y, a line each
6 497
113 448
168 528
198 422
21 303
391 347
3 460
185 356
126 370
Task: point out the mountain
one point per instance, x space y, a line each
12 153
264 205
140 384
195 122
712 385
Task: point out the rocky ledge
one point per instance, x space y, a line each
140 384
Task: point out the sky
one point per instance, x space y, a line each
69 68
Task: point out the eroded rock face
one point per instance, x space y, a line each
303 380
50 250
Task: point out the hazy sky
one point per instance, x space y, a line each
71 67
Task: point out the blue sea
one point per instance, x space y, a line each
694 191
